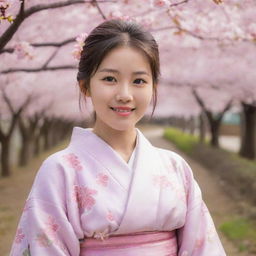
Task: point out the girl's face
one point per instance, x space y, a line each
121 89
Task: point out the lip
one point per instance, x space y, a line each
128 111
123 108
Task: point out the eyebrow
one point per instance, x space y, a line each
116 71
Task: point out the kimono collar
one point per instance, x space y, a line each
85 142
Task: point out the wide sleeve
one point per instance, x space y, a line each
198 236
44 227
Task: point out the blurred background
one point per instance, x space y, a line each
206 107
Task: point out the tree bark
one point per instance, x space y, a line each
202 128
214 120
5 157
27 131
248 131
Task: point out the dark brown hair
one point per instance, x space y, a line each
109 35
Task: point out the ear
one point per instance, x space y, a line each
84 89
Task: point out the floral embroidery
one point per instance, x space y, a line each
199 243
73 162
51 226
161 181
102 179
43 240
49 234
84 197
19 236
110 216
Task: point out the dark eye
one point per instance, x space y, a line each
108 78
138 81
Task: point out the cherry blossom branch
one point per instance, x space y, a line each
23 14
179 3
95 3
51 57
40 69
49 44
200 37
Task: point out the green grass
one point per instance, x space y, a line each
183 141
240 230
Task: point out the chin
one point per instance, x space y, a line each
123 128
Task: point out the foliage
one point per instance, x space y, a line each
183 141
240 230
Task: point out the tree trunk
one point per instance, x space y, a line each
27 129
37 147
215 129
26 151
5 157
202 128
191 125
248 122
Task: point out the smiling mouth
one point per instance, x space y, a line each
122 110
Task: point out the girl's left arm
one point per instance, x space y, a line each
198 237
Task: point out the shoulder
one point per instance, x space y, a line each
177 162
52 166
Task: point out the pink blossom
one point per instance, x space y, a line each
78 47
102 179
19 236
73 162
24 50
199 243
84 197
160 3
110 216
161 181
51 226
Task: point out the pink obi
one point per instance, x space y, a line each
136 244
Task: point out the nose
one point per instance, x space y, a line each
124 94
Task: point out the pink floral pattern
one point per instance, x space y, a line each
110 216
161 181
199 243
43 240
73 162
49 236
85 197
102 179
51 226
19 236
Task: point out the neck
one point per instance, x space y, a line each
121 141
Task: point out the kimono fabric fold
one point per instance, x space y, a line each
137 244
88 191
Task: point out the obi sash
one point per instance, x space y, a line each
136 244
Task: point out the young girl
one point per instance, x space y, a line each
110 192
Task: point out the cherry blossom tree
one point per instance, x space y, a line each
199 43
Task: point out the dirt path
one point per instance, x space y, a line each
14 190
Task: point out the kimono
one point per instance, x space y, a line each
88 192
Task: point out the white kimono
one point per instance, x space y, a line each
88 190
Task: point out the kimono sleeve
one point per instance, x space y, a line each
198 236
44 228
